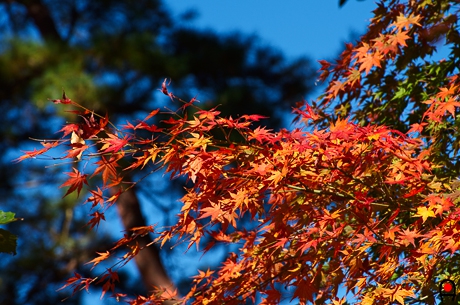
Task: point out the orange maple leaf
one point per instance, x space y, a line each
449 106
336 87
399 39
261 134
405 22
102 256
108 168
214 211
35 152
202 275
445 92
369 61
408 236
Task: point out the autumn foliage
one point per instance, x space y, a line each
340 208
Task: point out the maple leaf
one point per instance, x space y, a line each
445 92
277 176
424 212
214 211
102 256
110 283
202 275
449 106
416 127
96 219
340 125
152 114
405 22
414 192
64 100
309 113
281 242
97 198
370 60
164 89
399 39
144 230
114 143
304 291
187 104
335 88
71 281
253 117
261 134
273 297
108 168
199 140
76 181
353 78
408 236
208 114
69 128
78 146
35 152
362 51
384 43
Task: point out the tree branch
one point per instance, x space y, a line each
42 18
147 260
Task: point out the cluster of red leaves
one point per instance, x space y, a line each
346 206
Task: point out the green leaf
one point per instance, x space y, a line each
8 242
7 217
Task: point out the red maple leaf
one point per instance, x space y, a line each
408 236
75 182
69 128
114 143
35 152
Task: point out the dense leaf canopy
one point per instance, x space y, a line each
358 203
113 56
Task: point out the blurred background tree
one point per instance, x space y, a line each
111 56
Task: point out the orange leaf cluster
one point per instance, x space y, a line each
367 55
344 207
324 201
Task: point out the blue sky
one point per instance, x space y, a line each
313 28
317 29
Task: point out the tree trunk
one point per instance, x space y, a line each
148 260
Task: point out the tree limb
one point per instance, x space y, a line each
147 260
42 18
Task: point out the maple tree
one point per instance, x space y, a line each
115 65
365 202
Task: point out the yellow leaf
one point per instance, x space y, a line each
424 212
375 136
